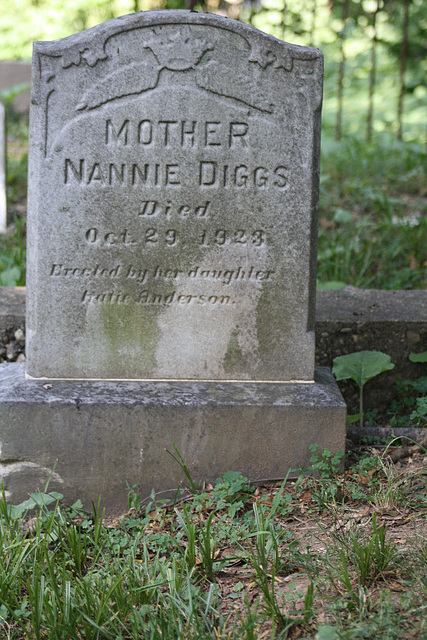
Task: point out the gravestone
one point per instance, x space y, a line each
174 169
172 221
3 201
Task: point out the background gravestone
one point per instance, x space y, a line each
3 200
14 74
172 238
172 205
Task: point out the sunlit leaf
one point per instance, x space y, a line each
8 95
353 418
342 215
327 632
361 366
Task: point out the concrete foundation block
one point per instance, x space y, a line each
98 436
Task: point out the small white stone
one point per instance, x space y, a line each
11 350
19 335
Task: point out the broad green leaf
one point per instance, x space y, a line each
361 366
327 632
43 499
17 510
35 500
9 277
354 418
420 385
3 614
418 357
231 477
342 215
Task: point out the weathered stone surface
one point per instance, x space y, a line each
172 202
99 435
3 205
12 324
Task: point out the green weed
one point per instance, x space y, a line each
419 415
326 464
361 367
404 410
231 492
370 556
418 357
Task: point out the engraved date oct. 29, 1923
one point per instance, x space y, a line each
152 236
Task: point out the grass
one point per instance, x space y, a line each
232 561
372 213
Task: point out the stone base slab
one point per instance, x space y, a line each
99 436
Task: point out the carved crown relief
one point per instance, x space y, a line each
177 49
187 49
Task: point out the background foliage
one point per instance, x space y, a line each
375 63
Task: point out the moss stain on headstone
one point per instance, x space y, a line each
234 360
131 333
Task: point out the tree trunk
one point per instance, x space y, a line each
313 21
252 12
403 55
340 91
372 74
